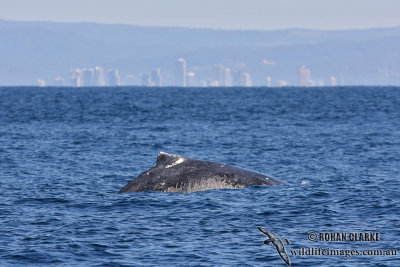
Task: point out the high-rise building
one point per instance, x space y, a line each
227 77
146 79
237 78
303 76
269 81
87 77
218 74
180 72
113 77
333 81
98 79
191 79
156 77
76 78
246 79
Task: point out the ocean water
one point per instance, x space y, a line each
66 152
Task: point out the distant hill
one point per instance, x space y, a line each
46 50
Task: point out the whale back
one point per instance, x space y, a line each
176 173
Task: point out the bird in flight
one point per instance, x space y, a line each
277 242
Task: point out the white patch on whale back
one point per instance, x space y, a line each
179 161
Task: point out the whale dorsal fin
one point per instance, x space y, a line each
163 157
169 160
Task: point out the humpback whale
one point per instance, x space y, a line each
175 173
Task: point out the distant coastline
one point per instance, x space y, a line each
47 53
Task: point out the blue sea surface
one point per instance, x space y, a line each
66 152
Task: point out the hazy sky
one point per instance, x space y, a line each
220 14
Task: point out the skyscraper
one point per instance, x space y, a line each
333 81
98 79
269 81
242 79
156 77
219 74
113 77
87 77
227 77
303 76
145 79
191 79
180 72
237 80
76 78
246 79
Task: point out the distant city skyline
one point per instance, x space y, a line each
83 54
216 14
221 77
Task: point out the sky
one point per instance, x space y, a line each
217 14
